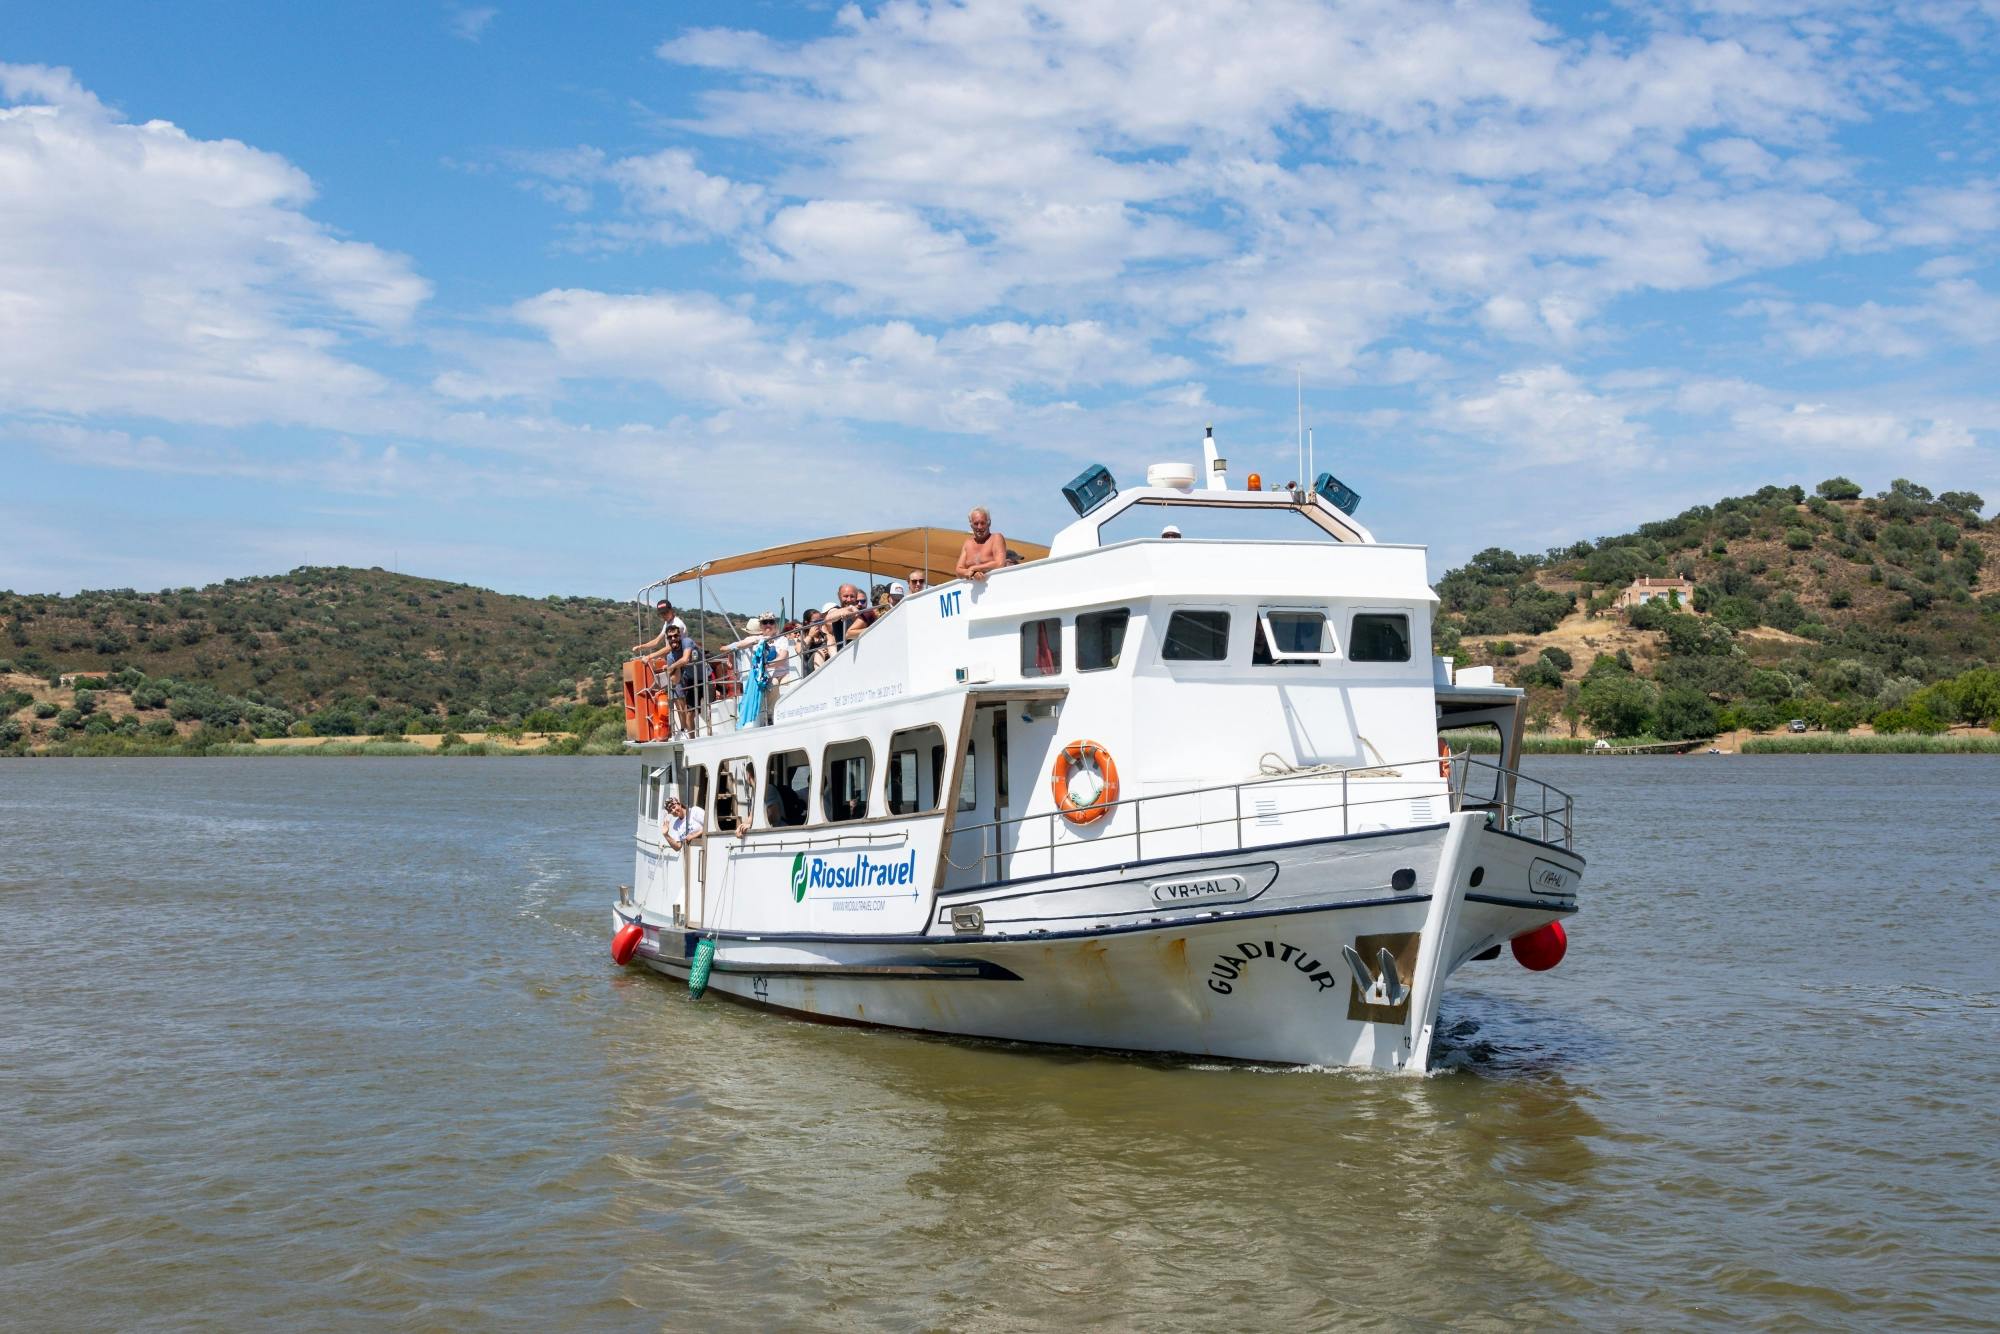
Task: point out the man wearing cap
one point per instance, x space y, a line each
1172 530
668 621
898 590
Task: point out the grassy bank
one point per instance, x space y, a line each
1891 743
118 746
1484 741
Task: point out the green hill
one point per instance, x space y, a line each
1832 608
321 651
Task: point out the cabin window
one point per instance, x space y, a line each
658 777
1197 636
1100 638
1379 637
914 758
1041 647
844 794
787 789
968 780
735 792
694 787
1291 639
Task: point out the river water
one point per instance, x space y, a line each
324 1042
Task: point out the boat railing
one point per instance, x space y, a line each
1512 800
718 689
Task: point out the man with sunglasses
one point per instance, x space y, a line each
668 621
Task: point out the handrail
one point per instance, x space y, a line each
1549 813
706 700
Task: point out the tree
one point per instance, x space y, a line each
1616 704
1839 488
1558 657
1684 713
1965 504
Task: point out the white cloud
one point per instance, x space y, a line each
469 22
1544 414
1319 177
144 271
1818 427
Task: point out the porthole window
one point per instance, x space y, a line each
1379 637
1197 636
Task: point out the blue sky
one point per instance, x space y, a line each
555 300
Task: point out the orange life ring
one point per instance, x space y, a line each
1078 753
1444 758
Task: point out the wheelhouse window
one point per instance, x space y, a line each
1041 647
1100 638
1291 639
1208 520
1197 636
787 789
1379 637
844 794
915 758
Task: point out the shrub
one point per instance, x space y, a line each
1562 660
1838 488
45 710
1541 672
1799 539
1501 648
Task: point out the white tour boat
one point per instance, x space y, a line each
1136 792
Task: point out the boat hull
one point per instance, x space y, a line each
1276 975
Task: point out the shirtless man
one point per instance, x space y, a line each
985 550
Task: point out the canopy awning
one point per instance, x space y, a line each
890 553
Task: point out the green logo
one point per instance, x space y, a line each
799 878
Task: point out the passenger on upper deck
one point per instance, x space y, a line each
815 641
772 652
898 590
918 581
668 621
852 616
682 672
984 551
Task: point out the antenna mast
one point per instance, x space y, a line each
1299 383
